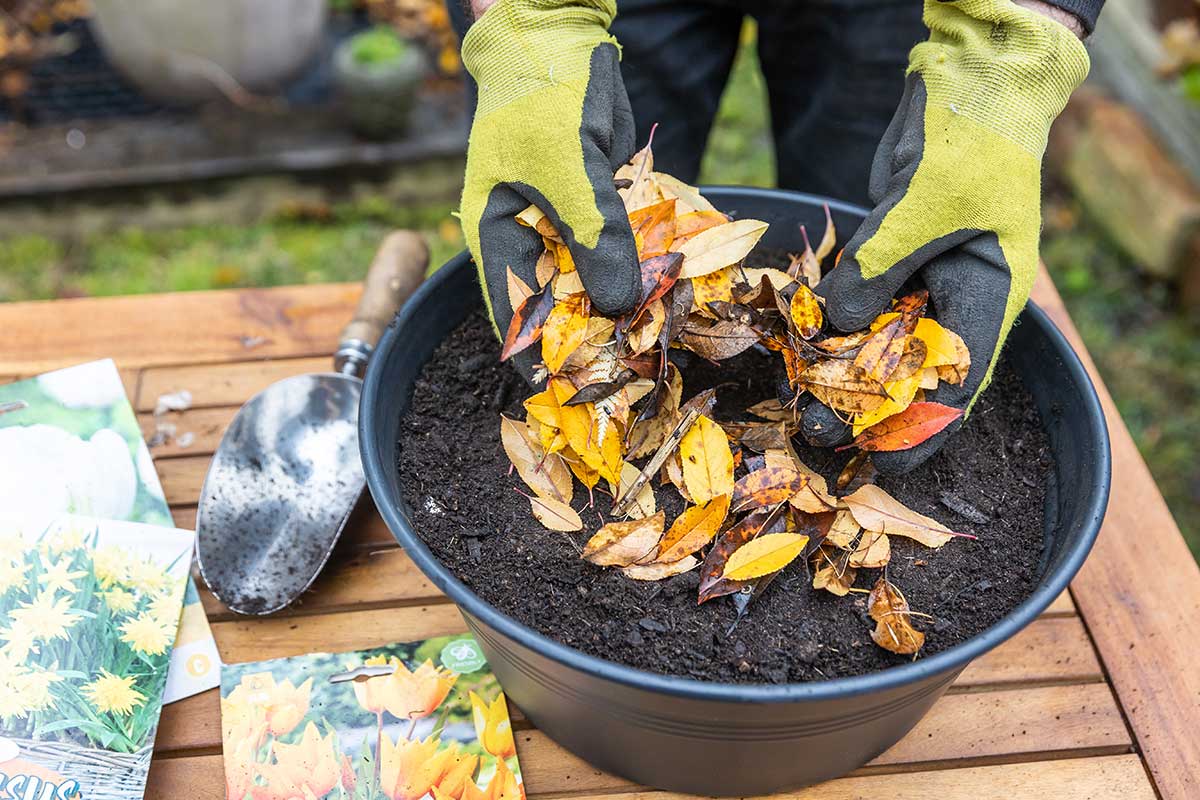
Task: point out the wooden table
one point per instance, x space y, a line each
1099 698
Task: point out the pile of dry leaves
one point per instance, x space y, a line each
612 408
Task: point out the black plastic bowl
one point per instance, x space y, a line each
715 738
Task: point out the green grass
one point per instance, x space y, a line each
1148 351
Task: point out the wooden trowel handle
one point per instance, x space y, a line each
396 271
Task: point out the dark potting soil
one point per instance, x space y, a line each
989 480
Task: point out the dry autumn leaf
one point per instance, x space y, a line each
844 530
712 581
528 319
643 504
545 474
893 623
768 553
766 487
565 330
872 551
843 386
660 570
694 529
834 573
707 461
621 544
720 246
876 510
806 313
555 515
907 429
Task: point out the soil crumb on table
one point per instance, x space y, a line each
989 480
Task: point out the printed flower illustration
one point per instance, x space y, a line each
493 727
243 722
19 641
113 694
32 687
144 634
459 774
286 706
239 766
405 694
409 769
12 574
59 575
310 768
120 600
46 617
502 786
93 385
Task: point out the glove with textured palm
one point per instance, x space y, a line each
551 126
957 186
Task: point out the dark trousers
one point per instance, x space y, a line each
834 71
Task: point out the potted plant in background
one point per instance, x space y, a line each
377 74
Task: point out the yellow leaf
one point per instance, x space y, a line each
754 275
688 198
720 246
643 506
707 461
900 397
893 625
768 553
876 510
565 330
806 313
620 544
694 528
555 515
567 284
545 474
712 288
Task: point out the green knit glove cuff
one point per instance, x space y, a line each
1007 68
519 47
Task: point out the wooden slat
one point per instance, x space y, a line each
1140 594
183 328
1050 651
130 378
205 426
370 534
224 384
1118 777
980 728
182 478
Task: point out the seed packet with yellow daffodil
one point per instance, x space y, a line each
89 610
70 443
418 721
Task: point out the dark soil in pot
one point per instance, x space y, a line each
989 481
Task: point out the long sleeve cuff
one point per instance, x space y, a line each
1086 10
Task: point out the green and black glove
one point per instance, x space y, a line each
957 186
551 127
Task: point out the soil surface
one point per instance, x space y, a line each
989 480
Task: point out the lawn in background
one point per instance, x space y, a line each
1146 348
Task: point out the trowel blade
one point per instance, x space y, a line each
282 483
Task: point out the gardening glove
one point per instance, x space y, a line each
957 186
551 127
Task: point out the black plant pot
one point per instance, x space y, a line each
731 739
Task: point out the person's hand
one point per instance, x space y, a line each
957 187
551 127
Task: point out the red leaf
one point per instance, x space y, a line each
527 322
905 430
659 274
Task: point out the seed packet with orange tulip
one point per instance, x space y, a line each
415 721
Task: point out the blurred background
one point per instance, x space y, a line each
162 145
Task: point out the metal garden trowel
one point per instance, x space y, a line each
287 473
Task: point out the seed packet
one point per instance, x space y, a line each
402 722
88 612
70 443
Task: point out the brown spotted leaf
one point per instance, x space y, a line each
843 386
766 487
881 353
806 313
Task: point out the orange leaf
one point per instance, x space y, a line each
565 330
766 487
694 528
654 227
527 323
905 430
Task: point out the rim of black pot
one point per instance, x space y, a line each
959 655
